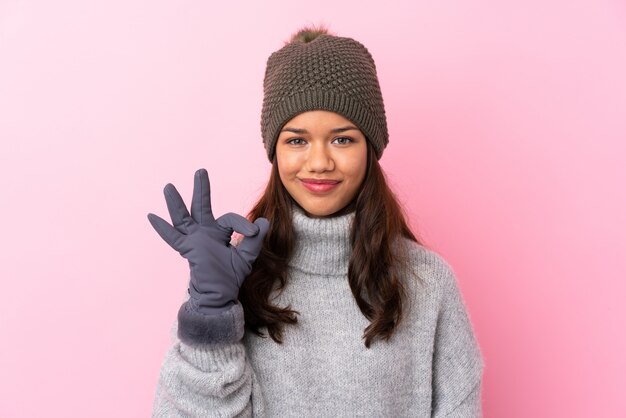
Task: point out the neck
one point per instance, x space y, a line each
322 244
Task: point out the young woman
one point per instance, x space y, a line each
329 305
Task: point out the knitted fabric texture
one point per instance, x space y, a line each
431 367
331 73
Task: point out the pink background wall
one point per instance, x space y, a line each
507 125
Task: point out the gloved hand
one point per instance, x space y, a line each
217 269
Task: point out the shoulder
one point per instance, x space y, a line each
431 276
428 266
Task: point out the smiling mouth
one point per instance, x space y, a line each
319 181
319 185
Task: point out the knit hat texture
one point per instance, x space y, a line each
331 73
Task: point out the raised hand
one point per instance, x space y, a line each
217 269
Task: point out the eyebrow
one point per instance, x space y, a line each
304 131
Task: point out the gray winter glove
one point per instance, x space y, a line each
217 269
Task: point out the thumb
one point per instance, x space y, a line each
250 247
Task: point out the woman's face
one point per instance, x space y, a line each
322 160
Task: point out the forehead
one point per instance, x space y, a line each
318 118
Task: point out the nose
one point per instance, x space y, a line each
319 159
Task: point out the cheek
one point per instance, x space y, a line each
287 171
287 165
355 166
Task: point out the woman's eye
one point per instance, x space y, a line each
343 140
296 141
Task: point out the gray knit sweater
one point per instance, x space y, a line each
431 367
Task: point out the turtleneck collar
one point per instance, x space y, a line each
322 244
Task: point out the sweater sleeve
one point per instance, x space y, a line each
206 372
457 359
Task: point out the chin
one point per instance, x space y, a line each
320 212
317 213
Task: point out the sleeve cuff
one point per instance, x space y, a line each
195 328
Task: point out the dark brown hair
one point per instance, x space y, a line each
376 265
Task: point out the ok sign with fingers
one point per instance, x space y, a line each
217 269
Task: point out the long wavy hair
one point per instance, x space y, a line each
377 264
